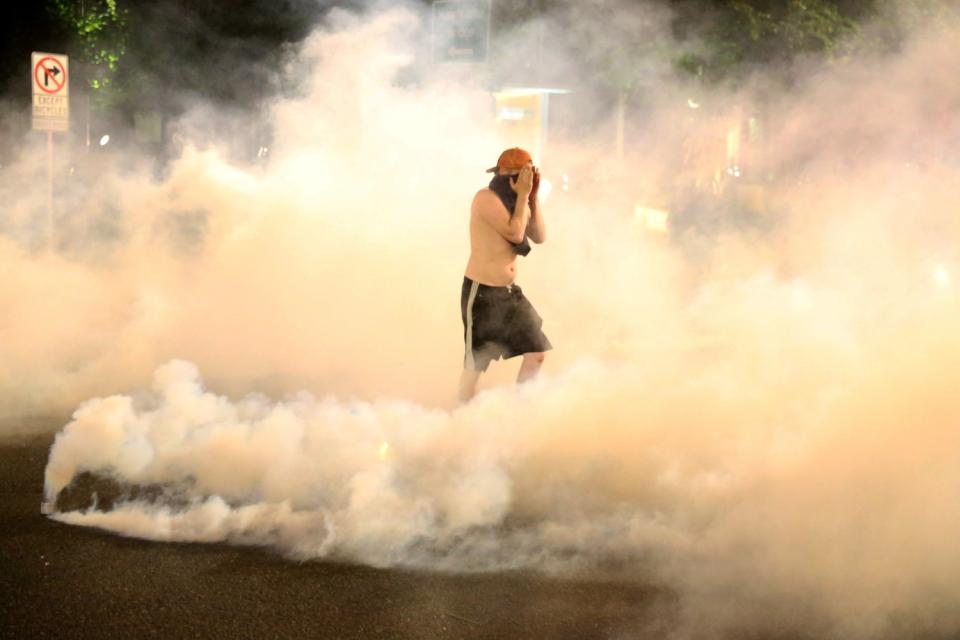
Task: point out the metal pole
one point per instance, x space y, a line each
49 190
621 116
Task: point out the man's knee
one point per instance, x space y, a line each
535 358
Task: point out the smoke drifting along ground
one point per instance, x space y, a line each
763 420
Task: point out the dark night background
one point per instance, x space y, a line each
229 52
165 36
177 52
231 56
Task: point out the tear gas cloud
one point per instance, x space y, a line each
760 417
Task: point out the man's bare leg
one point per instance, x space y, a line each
468 384
530 366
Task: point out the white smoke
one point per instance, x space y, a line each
763 420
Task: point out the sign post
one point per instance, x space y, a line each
51 110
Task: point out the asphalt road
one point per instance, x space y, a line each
63 582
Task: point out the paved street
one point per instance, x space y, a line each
58 581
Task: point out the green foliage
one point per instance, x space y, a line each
731 37
100 30
742 34
724 40
894 20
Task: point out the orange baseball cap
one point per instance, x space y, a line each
512 159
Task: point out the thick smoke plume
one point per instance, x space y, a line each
761 417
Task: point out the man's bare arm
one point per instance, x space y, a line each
536 229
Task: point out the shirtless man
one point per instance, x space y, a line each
498 321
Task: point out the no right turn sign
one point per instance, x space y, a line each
51 91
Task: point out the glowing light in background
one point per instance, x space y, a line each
510 113
941 276
546 187
104 139
653 219
384 449
693 104
800 295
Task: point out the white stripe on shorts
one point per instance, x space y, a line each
469 362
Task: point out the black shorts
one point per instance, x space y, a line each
498 322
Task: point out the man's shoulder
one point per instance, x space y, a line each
482 198
487 199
